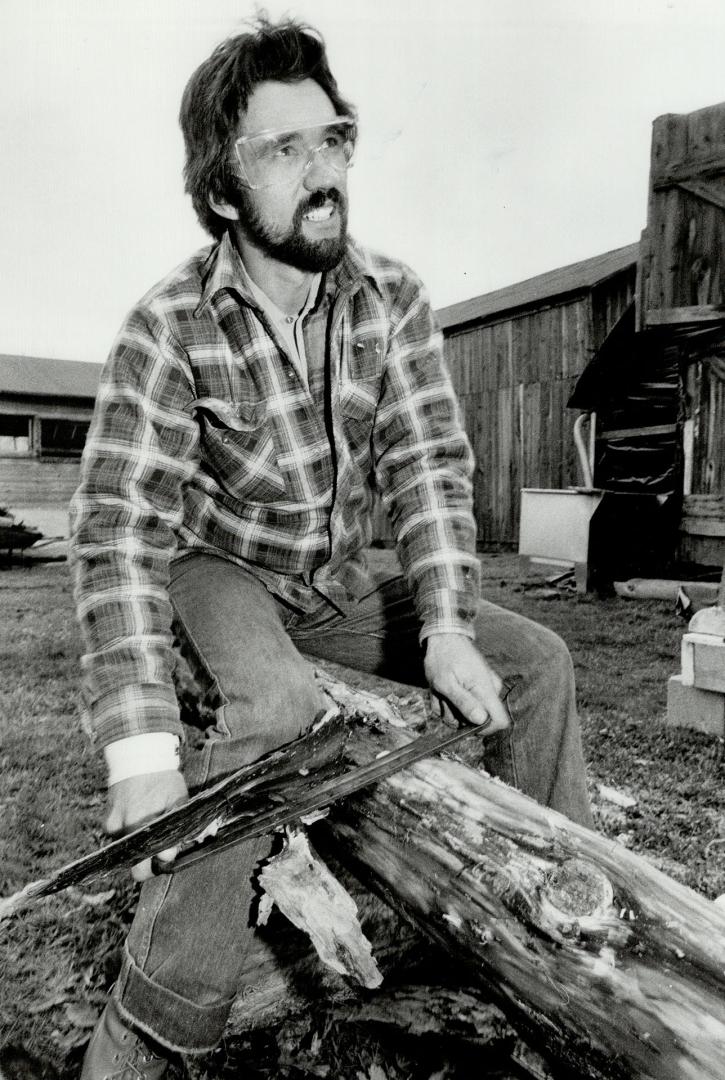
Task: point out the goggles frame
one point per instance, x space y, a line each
350 141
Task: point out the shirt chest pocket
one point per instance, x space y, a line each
360 388
361 379
238 448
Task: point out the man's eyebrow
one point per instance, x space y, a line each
285 134
277 137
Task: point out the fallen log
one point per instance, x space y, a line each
599 960
698 593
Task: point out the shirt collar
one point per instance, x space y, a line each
355 265
224 269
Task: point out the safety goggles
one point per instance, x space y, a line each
271 158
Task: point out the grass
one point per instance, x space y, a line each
59 958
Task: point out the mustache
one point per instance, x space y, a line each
318 199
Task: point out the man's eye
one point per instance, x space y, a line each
333 141
286 150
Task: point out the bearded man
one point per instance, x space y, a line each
253 401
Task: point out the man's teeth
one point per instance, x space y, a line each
322 213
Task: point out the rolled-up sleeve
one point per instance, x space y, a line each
141 449
423 468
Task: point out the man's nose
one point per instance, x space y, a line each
320 173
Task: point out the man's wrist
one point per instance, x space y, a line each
459 630
138 755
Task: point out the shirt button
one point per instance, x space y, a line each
290 319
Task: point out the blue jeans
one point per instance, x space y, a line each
186 948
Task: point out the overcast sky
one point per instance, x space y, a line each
500 139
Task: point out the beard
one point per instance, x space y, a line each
291 246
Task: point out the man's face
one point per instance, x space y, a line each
303 222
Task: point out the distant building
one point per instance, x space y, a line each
45 410
515 356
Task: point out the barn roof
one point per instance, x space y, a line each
578 277
35 376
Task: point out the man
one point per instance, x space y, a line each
249 403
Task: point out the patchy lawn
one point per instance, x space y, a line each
58 959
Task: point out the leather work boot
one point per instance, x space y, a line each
116 1052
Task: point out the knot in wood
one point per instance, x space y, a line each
576 895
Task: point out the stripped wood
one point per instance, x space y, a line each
609 966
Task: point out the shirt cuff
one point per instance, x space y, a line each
462 629
131 709
138 755
450 611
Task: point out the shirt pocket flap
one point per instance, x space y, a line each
238 415
359 399
365 359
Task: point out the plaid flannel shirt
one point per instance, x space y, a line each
206 437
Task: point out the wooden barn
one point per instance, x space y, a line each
633 339
515 356
45 410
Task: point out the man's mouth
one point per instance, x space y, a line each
320 213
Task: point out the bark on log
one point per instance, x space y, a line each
603 962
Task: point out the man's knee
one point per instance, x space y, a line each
277 705
552 656
519 648
251 721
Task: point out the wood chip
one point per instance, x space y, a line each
610 794
313 899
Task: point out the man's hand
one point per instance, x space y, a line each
457 672
137 799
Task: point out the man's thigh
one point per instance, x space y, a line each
379 636
231 632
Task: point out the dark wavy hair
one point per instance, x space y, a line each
217 95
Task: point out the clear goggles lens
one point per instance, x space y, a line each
282 157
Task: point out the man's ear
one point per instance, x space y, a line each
223 209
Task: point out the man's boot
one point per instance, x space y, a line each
117 1052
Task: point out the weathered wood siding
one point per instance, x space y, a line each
513 377
702 526
30 482
682 269
706 394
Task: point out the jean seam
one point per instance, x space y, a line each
147 938
214 684
302 634
510 734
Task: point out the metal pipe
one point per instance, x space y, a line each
586 454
